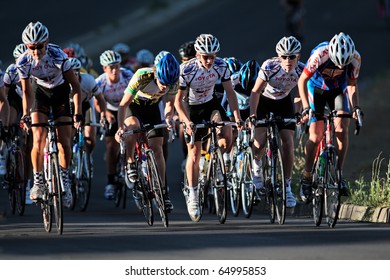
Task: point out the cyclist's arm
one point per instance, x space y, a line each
101 102
71 78
125 102
179 106
353 93
232 99
28 96
302 89
169 108
255 95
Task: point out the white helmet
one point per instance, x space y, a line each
35 33
207 44
341 49
288 46
75 63
110 57
145 56
159 56
121 48
19 49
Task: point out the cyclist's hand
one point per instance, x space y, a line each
119 135
240 124
251 121
25 123
103 122
78 120
110 118
305 115
358 115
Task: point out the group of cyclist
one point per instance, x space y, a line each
60 83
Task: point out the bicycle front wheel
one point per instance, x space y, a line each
279 188
318 195
234 181
47 208
156 186
219 185
84 184
332 187
57 193
246 183
19 181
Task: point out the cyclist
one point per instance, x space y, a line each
330 77
89 92
52 76
145 58
4 118
141 105
272 93
197 80
127 61
13 91
112 83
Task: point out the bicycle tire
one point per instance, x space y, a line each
156 185
269 193
73 178
332 187
246 183
144 202
84 185
220 187
47 208
318 196
279 188
20 181
57 193
234 182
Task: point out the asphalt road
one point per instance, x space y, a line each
248 29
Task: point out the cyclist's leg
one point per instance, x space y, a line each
287 149
131 122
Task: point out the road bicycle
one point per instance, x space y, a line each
14 179
51 203
273 172
81 172
239 176
326 171
213 183
148 189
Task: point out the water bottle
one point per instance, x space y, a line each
322 164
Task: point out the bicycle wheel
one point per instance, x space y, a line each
73 178
57 193
19 181
47 208
83 186
318 195
144 201
332 187
234 181
156 186
279 188
219 185
246 183
269 190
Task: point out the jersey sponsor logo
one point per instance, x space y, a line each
206 78
40 67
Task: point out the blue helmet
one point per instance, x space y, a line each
168 69
248 74
234 64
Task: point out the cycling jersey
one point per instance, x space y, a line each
113 93
11 79
324 74
201 81
144 87
88 87
279 82
48 71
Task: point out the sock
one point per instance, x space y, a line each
257 166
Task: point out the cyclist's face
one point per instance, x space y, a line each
161 86
37 51
207 60
289 62
113 72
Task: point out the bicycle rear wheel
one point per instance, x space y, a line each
156 187
246 183
219 185
279 188
234 182
332 188
57 193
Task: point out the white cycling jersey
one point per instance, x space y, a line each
201 81
113 93
11 77
279 82
88 87
48 71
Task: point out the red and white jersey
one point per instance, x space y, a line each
201 81
48 71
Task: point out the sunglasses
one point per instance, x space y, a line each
291 57
36 47
207 57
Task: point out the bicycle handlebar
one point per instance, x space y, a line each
207 124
